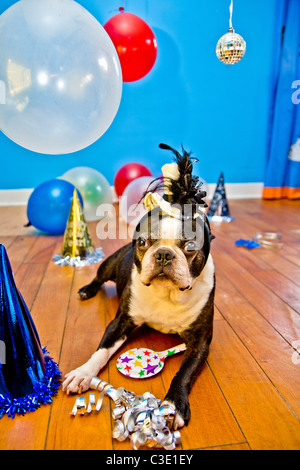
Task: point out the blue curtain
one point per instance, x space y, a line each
283 163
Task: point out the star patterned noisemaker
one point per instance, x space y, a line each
142 363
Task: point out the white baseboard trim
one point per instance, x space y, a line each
19 197
14 197
239 190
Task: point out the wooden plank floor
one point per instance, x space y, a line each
248 395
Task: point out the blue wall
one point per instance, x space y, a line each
218 112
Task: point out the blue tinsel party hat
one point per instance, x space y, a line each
28 376
219 210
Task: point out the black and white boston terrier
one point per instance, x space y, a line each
165 279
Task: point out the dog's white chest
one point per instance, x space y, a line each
170 311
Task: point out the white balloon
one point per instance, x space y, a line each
131 207
61 75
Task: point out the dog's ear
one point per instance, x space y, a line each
206 221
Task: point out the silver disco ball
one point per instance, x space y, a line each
231 47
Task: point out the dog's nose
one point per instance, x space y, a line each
163 257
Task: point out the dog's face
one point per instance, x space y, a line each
170 252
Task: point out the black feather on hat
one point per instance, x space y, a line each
185 188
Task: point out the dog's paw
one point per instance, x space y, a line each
78 380
179 398
179 419
89 291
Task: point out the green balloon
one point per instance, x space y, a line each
93 186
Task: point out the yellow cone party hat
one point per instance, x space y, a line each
77 249
77 239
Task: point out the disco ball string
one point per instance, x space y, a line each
231 47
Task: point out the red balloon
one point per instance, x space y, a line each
128 173
135 43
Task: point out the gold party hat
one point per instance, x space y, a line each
78 249
77 239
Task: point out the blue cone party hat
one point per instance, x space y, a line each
28 376
218 210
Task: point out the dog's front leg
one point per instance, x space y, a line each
192 363
78 380
197 339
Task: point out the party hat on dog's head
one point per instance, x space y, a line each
28 376
77 249
219 210
181 187
183 199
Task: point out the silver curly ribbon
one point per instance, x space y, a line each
78 261
142 419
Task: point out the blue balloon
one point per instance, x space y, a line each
49 206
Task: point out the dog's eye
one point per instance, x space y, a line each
190 248
143 243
